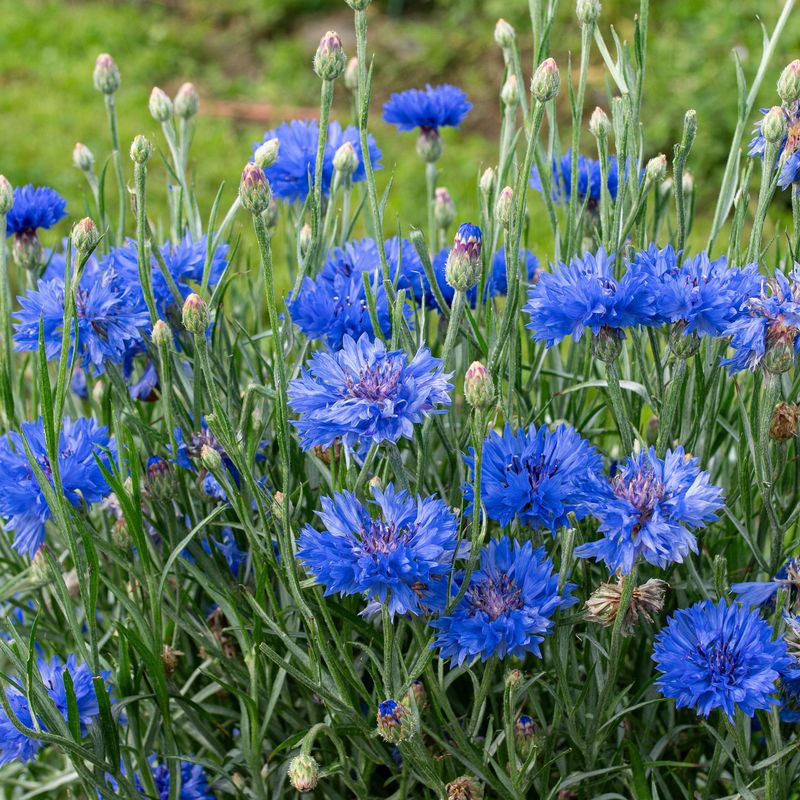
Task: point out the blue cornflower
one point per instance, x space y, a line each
364 394
539 476
109 307
762 593
768 325
701 294
589 179
15 745
789 150
719 656
194 782
34 208
293 172
353 259
400 557
508 606
498 281
22 503
585 294
647 510
429 109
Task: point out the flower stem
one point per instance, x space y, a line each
618 407
111 111
670 406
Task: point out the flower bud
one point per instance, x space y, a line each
395 723
513 679
509 94
187 101
464 788
195 314
162 334
773 125
504 208
648 599
780 354
345 160
160 105
656 169
210 458
351 75
417 689
599 124
82 157
120 534
159 478
463 267
504 34
330 60
478 386
85 236
375 482
106 74
486 183
304 239
783 425
358 5
254 189
27 250
684 345
169 658
587 11
429 145
607 344
444 210
546 81
267 153
40 571
789 83
524 734
6 195
303 773
141 149
688 182
651 432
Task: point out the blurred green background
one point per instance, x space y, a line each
251 61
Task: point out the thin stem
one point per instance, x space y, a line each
143 255
618 407
117 157
670 406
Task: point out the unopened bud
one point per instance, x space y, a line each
187 101
345 160
358 5
40 571
304 239
656 169
375 482
85 236
478 386
195 314
254 189
162 334
607 344
417 690
82 157
429 145
395 723
351 75
303 773
210 458
546 81
330 60
774 125
463 267
783 425
27 250
106 74
464 788
160 105
444 210
141 149
789 83
504 207
587 11
509 94
486 183
6 195
599 124
651 432
504 34
159 478
524 734
267 153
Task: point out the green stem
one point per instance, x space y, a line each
143 255
430 184
123 194
764 197
670 406
618 407
5 319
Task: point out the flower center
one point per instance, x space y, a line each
721 660
382 539
643 491
375 383
536 469
495 596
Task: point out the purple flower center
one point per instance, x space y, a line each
643 491
495 596
536 469
382 539
375 383
721 660
204 438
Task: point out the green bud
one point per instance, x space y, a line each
789 83
162 334
587 11
254 189
345 160
395 723
27 250
160 105
303 773
429 145
330 60
82 157
656 169
444 210
486 183
478 386
351 75
546 81
304 239
195 314
504 208
509 94
106 74
6 195
85 236
358 5
141 149
504 34
607 344
683 345
267 154
210 458
187 101
599 124
774 125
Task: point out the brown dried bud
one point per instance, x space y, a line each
464 788
648 599
783 426
169 658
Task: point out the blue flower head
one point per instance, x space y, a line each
508 607
763 593
537 477
35 207
589 179
194 782
429 109
789 150
15 745
719 656
293 171
648 510
364 394
585 294
767 328
400 556
22 503
701 294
